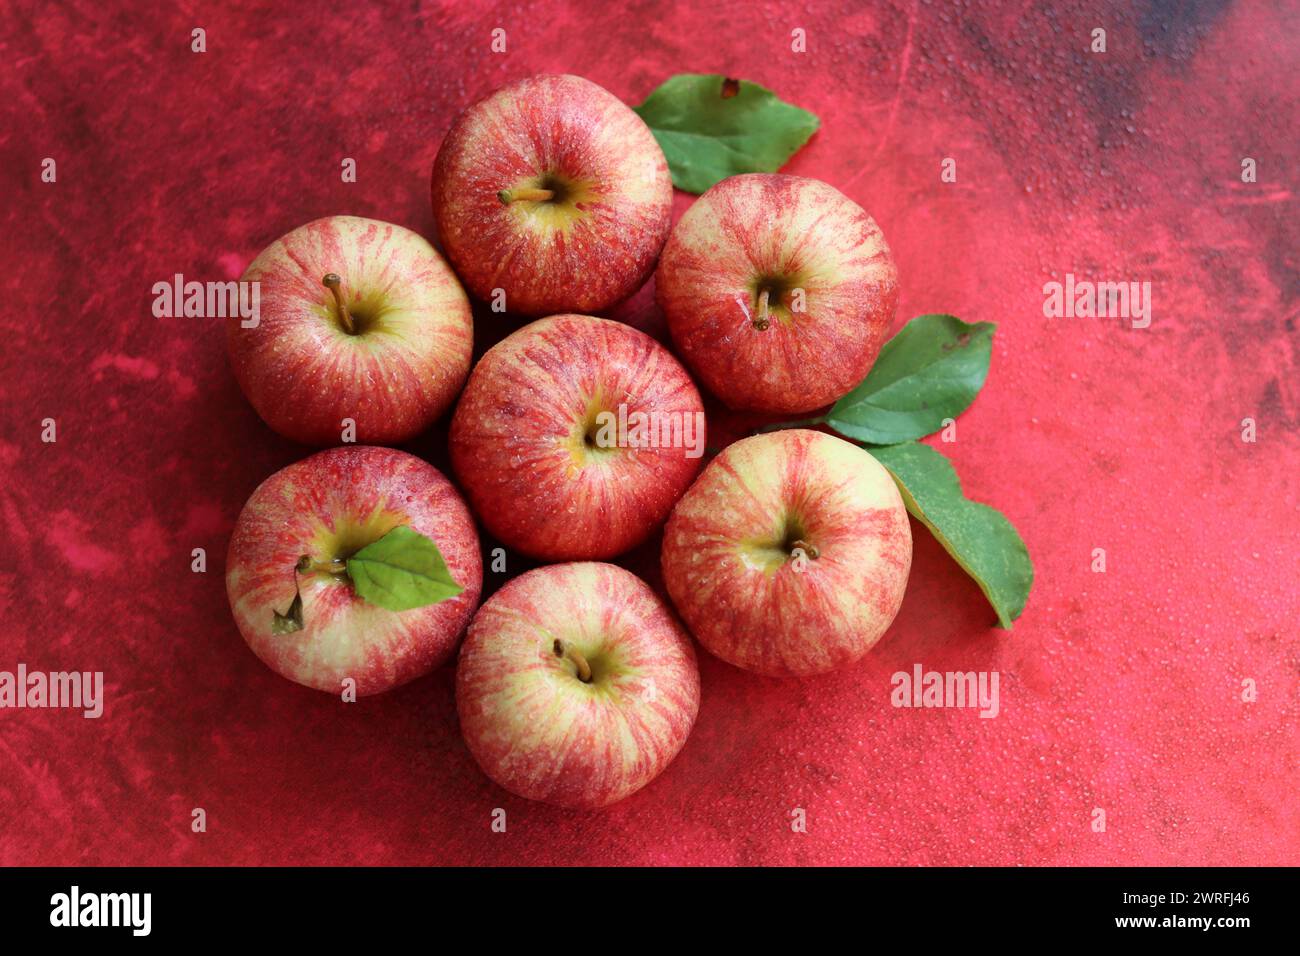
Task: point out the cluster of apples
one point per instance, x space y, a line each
576 684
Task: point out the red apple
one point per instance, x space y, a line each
576 685
778 292
532 446
387 345
790 554
328 507
555 192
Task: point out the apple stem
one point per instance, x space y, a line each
527 193
331 282
808 549
575 655
305 563
760 320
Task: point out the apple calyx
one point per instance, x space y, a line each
575 655
809 549
526 193
761 321
332 282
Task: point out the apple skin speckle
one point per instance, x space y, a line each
745 598
304 374
516 438
540 732
325 507
591 248
792 233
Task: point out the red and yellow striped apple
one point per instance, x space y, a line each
778 292
327 508
576 685
529 445
789 555
360 320
553 191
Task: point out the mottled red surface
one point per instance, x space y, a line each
1120 690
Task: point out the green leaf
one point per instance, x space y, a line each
981 539
711 127
401 571
929 371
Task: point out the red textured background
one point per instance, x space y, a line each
1119 690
